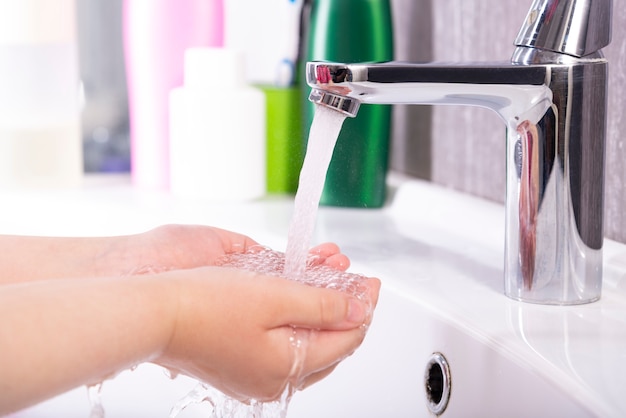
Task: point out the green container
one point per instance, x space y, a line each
352 31
284 138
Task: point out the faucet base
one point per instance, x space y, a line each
554 302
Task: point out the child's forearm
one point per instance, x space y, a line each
28 258
60 334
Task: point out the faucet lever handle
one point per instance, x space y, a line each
573 27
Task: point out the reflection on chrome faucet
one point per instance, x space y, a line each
552 96
528 198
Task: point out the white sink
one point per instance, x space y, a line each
440 256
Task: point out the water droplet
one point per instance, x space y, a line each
94 392
171 373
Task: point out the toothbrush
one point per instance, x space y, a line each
286 67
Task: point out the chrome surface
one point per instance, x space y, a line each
554 105
437 383
345 105
577 28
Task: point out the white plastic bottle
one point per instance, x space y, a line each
156 35
40 143
217 130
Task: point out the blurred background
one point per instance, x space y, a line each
105 122
461 148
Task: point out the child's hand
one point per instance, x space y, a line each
233 330
173 247
227 327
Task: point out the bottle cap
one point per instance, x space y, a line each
213 68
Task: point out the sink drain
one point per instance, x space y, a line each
437 383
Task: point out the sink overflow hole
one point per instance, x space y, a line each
437 383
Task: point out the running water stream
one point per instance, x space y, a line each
322 138
294 264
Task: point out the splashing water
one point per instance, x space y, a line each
224 406
94 392
295 264
269 262
266 261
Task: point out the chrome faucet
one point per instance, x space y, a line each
552 96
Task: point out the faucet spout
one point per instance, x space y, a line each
552 97
511 91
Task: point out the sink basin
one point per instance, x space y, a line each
387 376
440 257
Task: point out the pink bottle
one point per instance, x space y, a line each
156 34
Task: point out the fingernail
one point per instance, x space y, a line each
356 311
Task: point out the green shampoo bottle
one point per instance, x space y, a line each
351 31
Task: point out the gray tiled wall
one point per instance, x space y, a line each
463 148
